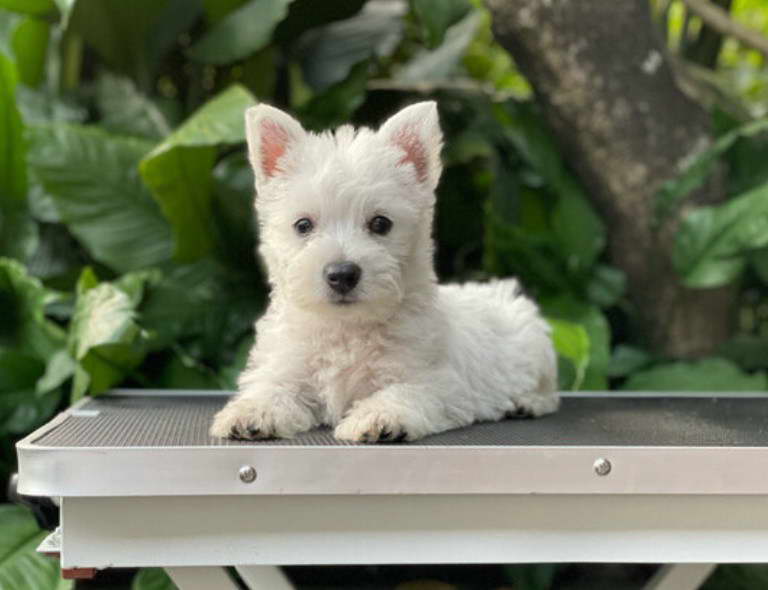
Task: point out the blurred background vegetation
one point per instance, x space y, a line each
126 230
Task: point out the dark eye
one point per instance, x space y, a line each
303 226
380 225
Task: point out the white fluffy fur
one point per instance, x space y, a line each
408 358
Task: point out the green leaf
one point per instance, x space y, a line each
436 16
626 360
310 14
438 64
328 54
30 45
105 338
179 170
598 331
13 178
216 10
571 342
119 32
23 325
233 214
746 350
93 179
21 567
759 262
61 367
606 285
31 7
153 578
205 303
698 171
240 33
21 409
578 229
714 374
711 242
124 110
336 105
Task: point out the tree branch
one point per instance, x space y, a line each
719 20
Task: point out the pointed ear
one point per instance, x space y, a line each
271 133
416 131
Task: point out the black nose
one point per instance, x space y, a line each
342 276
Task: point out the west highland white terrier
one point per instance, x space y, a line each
358 335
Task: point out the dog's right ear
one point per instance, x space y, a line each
271 134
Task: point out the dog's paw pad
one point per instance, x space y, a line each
519 412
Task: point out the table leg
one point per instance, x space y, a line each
201 578
680 576
264 577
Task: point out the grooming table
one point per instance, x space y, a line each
611 477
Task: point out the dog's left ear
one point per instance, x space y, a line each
416 131
272 135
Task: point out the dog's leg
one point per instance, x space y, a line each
407 411
264 410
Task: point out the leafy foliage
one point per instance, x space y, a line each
127 238
21 567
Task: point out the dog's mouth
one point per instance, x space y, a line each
342 300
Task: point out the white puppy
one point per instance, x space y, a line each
358 335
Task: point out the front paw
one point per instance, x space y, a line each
253 418
370 425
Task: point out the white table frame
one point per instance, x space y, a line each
645 511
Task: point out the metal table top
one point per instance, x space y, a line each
145 443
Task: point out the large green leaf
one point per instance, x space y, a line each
105 338
577 227
119 32
712 242
241 33
436 16
17 232
126 111
440 63
714 374
311 14
328 54
23 325
233 213
336 104
179 170
33 7
21 567
204 303
30 45
94 181
22 406
13 180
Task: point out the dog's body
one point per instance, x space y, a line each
358 334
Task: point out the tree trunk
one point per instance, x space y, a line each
601 77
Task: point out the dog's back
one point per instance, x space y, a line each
501 344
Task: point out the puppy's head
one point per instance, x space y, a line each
345 217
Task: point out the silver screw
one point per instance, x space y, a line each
247 474
602 466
